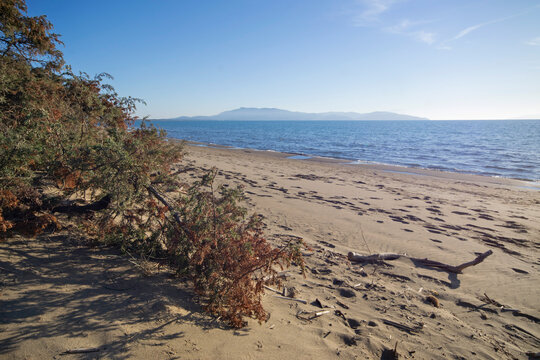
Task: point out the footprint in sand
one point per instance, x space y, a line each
460 213
398 219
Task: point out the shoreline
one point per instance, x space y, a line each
59 294
436 147
391 168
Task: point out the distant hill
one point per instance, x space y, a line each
279 114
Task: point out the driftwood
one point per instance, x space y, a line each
424 262
453 269
371 258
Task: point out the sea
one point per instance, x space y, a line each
501 148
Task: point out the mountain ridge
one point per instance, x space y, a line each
245 113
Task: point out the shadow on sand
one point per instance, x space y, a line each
55 287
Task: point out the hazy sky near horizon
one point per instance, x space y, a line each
441 59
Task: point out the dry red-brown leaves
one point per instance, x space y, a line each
35 224
7 201
66 178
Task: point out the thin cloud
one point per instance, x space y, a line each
372 10
464 32
407 27
533 42
445 45
470 29
371 15
404 26
424 36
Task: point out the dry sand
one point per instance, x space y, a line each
57 294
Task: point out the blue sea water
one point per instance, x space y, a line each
506 148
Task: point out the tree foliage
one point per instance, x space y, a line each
75 134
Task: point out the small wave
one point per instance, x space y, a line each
503 149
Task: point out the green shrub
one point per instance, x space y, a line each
76 133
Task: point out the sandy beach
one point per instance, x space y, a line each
58 294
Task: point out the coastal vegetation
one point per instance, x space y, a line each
69 145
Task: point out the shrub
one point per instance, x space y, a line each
76 133
224 252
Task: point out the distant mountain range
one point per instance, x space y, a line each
278 114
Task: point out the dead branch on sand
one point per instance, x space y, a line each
423 262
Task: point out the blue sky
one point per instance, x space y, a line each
442 59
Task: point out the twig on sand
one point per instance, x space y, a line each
488 300
364 238
453 269
81 351
505 308
403 327
310 315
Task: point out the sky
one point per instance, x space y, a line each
441 59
